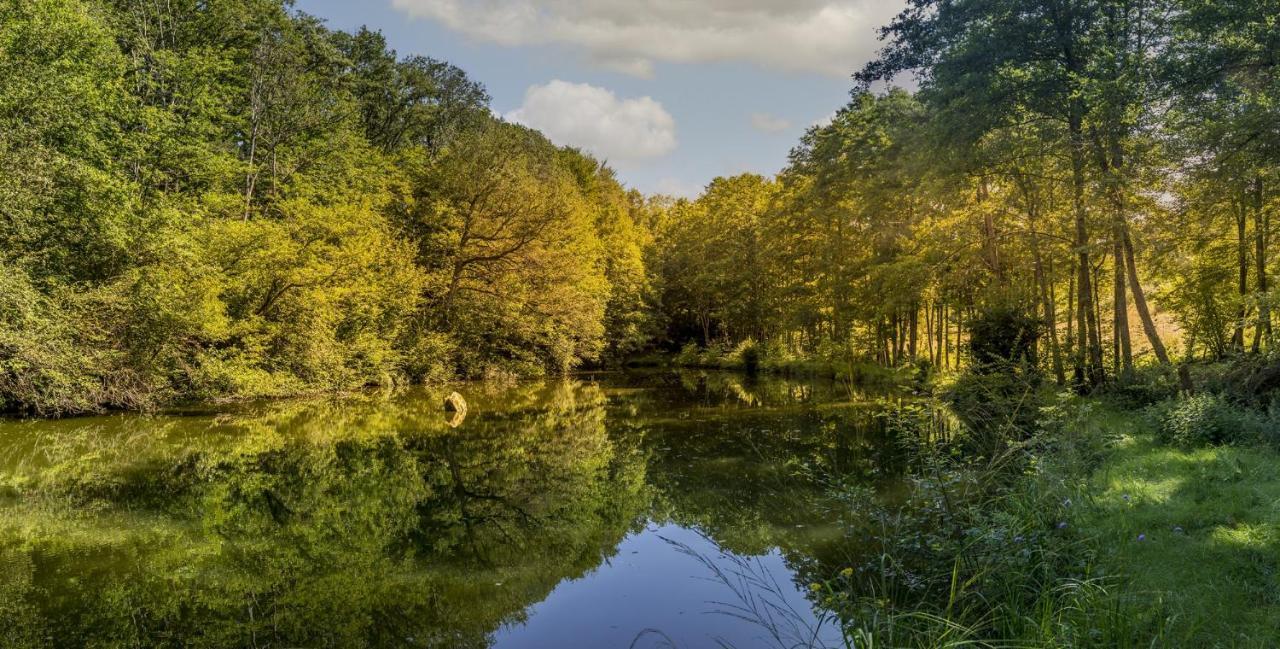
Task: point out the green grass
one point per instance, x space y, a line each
1157 547
1209 520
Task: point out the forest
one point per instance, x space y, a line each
213 200
220 200
229 200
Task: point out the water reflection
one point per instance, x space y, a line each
556 512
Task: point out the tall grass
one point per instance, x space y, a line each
986 551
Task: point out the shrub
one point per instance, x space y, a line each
998 397
56 353
1200 420
689 356
1253 381
1147 386
995 407
1004 335
748 354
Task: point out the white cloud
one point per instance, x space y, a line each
832 37
642 68
767 123
595 119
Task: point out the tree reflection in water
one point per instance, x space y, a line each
372 521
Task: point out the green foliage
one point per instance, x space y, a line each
998 397
995 407
48 365
1198 420
1003 336
1207 419
514 258
230 200
991 553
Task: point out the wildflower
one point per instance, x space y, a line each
846 573
815 587
1018 539
1126 497
1142 537
1066 502
1062 525
1177 529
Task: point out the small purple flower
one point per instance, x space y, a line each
1142 537
1062 525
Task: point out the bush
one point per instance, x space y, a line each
1147 386
690 355
748 354
998 397
995 407
1254 381
1201 420
56 353
1004 335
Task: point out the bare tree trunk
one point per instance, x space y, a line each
1097 305
928 334
1140 302
914 325
944 337
1242 255
1263 330
1071 318
1089 352
1124 347
1059 371
1046 301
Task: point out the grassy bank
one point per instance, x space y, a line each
1092 534
1196 530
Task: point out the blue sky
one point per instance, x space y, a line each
671 92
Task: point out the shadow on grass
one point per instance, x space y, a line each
1200 530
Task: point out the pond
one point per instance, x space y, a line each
655 509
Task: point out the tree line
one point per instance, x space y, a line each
229 199
1104 166
224 200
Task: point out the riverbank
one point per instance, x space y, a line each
750 358
1197 531
1105 537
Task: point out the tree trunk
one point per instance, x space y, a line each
1242 257
930 348
1124 346
1097 305
1263 330
1046 301
914 326
1052 316
1089 353
1140 302
1071 318
944 337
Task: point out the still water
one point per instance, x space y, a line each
660 509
